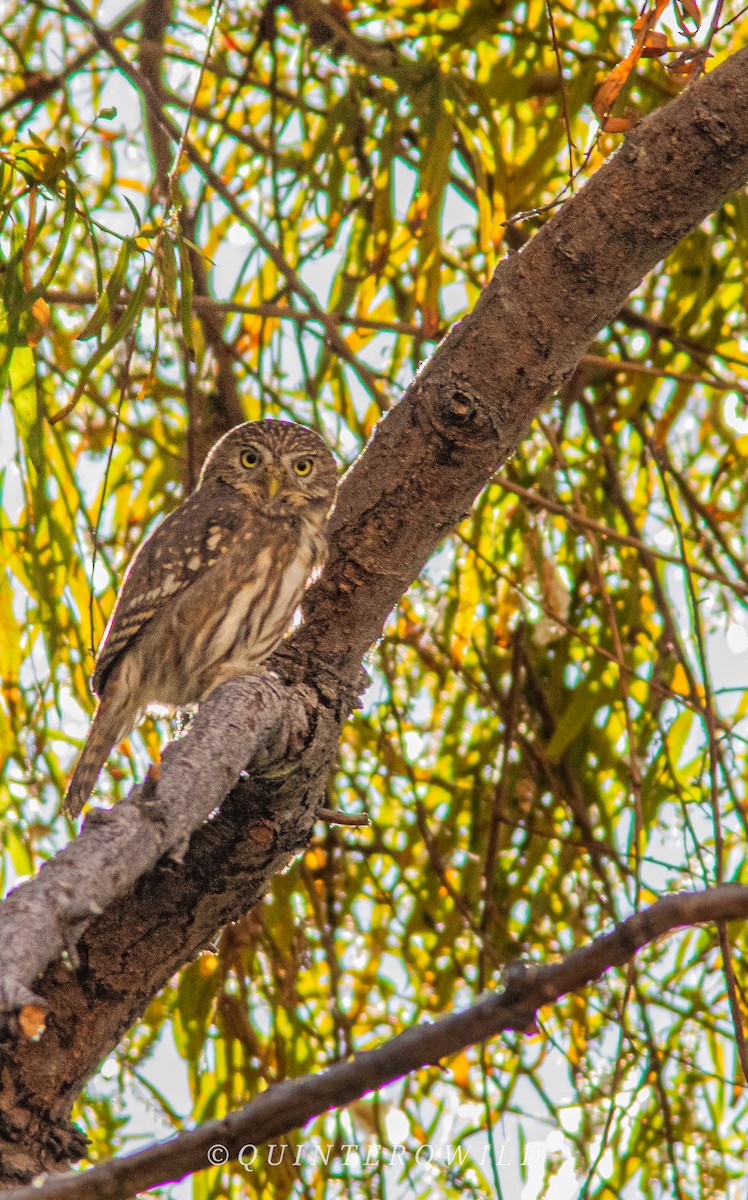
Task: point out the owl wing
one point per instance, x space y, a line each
182 548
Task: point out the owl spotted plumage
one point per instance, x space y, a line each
211 592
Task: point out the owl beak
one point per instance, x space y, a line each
274 482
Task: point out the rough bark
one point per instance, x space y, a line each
117 846
462 417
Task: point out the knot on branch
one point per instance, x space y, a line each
521 996
31 1145
297 707
461 406
716 128
574 254
460 413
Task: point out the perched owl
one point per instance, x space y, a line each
211 592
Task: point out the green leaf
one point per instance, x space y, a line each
185 297
10 633
110 295
585 701
25 402
169 273
118 331
60 247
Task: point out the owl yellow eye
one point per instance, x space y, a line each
303 466
249 459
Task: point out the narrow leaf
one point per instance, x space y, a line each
128 318
110 295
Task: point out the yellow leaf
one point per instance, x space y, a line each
207 964
679 682
10 634
460 1068
135 185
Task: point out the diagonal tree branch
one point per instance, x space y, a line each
41 86
289 1105
328 26
116 846
428 459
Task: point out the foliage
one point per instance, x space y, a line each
555 732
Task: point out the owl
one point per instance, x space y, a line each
210 593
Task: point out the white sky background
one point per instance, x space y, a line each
728 661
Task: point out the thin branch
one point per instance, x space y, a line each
585 522
660 331
282 312
169 126
155 20
702 510
564 93
732 994
333 816
286 1106
41 86
636 368
328 25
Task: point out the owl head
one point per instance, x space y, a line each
280 466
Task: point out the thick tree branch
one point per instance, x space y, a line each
472 403
160 922
428 459
289 1105
117 846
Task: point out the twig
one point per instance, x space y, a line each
333 817
625 539
155 108
564 93
635 368
282 312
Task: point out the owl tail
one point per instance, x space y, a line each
110 725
